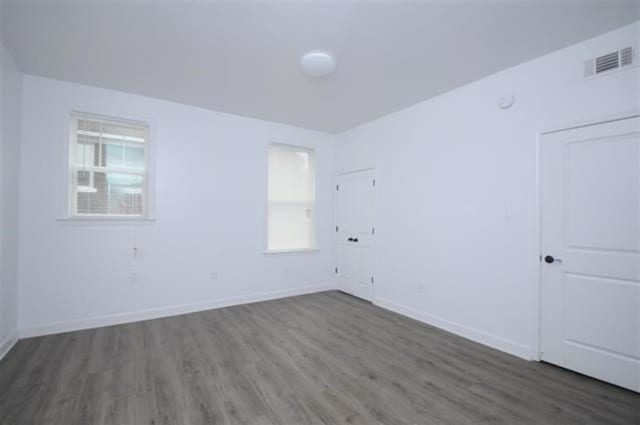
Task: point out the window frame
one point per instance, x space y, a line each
70 208
313 225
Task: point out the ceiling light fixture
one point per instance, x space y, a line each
317 64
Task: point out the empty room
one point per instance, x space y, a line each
320 212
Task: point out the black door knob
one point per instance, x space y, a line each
549 259
355 240
350 240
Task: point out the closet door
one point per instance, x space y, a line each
356 233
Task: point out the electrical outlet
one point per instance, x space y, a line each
421 289
214 275
133 276
285 270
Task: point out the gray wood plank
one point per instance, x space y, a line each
325 358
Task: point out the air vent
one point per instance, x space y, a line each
609 62
626 56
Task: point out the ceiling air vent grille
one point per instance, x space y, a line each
609 62
626 56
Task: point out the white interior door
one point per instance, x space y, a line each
590 268
355 232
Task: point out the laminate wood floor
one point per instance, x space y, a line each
325 358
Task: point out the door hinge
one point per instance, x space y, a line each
374 182
373 230
337 187
336 270
371 279
336 228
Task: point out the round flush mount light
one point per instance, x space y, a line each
317 64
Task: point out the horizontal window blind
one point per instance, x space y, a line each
108 167
291 198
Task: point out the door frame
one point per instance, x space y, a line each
536 335
374 220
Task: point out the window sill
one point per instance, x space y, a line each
291 251
106 220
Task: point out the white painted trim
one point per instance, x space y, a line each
105 219
599 119
537 235
291 251
475 335
359 170
7 344
155 313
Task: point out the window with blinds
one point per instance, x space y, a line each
291 198
108 167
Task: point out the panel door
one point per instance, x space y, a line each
346 225
590 263
355 233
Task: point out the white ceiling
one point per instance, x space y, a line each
242 57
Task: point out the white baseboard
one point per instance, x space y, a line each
155 313
116 319
475 335
8 344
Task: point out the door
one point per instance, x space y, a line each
355 233
590 262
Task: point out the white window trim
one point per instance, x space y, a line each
314 225
68 215
291 251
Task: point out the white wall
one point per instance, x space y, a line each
447 171
10 98
210 206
